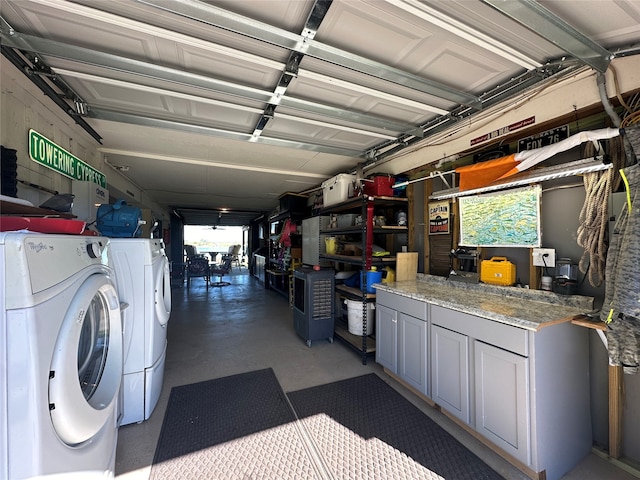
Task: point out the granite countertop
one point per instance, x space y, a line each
521 307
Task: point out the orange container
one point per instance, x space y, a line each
498 271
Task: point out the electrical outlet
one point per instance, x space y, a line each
544 257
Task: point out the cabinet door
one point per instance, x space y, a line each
412 352
502 399
387 338
450 372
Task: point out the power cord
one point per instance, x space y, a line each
546 269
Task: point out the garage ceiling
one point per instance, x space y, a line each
228 104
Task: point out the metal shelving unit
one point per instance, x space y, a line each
278 278
367 231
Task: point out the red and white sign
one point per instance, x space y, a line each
503 131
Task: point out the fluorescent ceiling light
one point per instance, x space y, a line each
441 20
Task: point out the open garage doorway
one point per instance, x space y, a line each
216 241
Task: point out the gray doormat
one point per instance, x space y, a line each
244 427
364 429
238 427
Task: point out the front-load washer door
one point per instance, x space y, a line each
86 368
162 292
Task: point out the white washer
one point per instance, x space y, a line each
60 357
142 273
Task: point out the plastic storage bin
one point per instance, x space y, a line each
347 220
337 189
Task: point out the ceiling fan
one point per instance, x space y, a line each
217 226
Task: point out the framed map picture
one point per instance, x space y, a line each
508 218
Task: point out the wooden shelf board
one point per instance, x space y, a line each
278 272
355 340
357 229
356 258
354 292
357 202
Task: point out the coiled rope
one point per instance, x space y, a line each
594 216
592 230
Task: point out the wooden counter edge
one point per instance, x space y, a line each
580 320
584 321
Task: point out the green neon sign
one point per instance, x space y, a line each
46 153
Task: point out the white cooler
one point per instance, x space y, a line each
337 189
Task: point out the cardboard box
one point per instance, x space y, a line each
351 249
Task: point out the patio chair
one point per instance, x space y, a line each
190 251
198 266
221 270
234 250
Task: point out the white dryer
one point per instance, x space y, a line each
142 274
60 357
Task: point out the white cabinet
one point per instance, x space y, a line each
481 376
524 391
402 339
450 371
387 338
502 399
412 351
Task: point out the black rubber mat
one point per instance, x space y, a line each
364 429
243 427
237 427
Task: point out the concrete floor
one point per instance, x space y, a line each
243 327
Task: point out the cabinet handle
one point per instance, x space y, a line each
395 320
